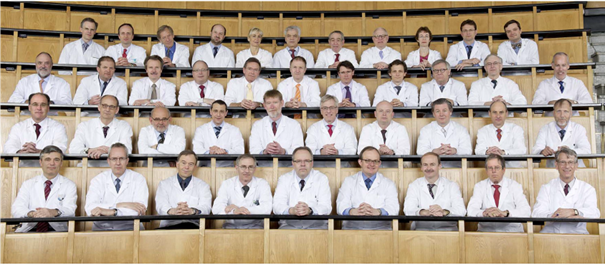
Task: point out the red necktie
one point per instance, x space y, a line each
499 134
274 128
202 91
566 189
124 53
37 129
330 129
496 194
336 59
292 53
43 226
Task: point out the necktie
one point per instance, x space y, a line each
183 185
330 129
337 59
43 226
154 93
368 183
214 51
84 46
348 93
162 138
297 95
398 88
41 82
496 194
499 134
431 186
118 185
124 53
495 82
292 53
249 94
561 87
246 189
384 136
516 46
381 53
302 184
217 130
274 126
169 53
469 49
104 87
562 134
202 95
37 129
566 189
441 88
105 129
444 132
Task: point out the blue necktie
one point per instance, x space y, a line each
118 185
398 88
562 134
561 86
431 186
368 183
469 49
217 130
215 51
84 47
104 87
381 54
169 53
442 88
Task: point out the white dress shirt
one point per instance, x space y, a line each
191 91
483 91
372 55
224 56
62 197
90 86
174 140
359 93
575 138
237 89
414 57
180 57
51 133
512 141
258 200
381 195
55 87
549 89
197 195
89 134
135 54
397 138
458 53
387 92
309 90
282 58
141 89
73 53
343 137
327 57
511 200
316 194
102 193
454 90
230 138
431 136
289 135
528 53
582 197
264 56
447 196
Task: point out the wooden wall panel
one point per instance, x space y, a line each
35 248
308 27
244 6
162 247
368 246
393 25
551 248
348 26
143 24
393 5
435 23
349 5
31 46
279 6
103 247
499 19
432 4
204 5
11 18
6 50
105 21
573 46
558 20
496 248
298 246
230 23
226 245
131 3
269 26
181 26
9 82
314 6
6 200
167 4
45 19
526 86
422 247
480 19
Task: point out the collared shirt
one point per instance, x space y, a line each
38 78
333 124
114 178
172 50
276 126
183 182
517 48
295 50
157 134
372 178
89 43
573 181
54 180
448 128
559 128
127 49
101 82
214 127
466 48
212 46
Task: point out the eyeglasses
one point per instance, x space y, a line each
380 36
468 30
496 168
370 161
494 64
116 159
566 163
244 168
160 119
307 161
200 70
439 71
35 105
333 108
111 107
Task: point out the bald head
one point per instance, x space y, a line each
160 119
384 113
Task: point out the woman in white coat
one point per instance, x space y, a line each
424 56
255 36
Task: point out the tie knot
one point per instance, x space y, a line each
330 126
561 83
105 127
245 188
302 182
431 186
37 126
48 183
383 131
153 86
202 87
398 87
496 186
118 181
249 86
347 87
368 180
499 130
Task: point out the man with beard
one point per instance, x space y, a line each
44 82
214 53
161 137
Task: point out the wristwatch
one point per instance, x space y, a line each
447 212
86 150
115 212
59 213
310 211
575 212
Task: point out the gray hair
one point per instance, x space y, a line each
560 53
244 156
568 152
160 108
447 65
51 149
327 97
492 55
117 145
385 31
291 28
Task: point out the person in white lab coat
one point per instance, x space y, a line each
161 137
424 57
183 194
95 136
442 86
331 136
153 90
201 91
444 136
367 193
301 192
299 90
433 195
381 55
397 91
43 81
247 91
517 51
243 194
84 50
46 195
387 136
117 192
255 36
282 58
468 52
172 53
495 87
348 92
561 133
93 87
214 53
498 196
561 85
566 197
126 53
501 137
329 58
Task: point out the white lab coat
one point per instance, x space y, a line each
169 194
224 57
316 194
454 90
174 140
359 93
528 53
387 92
102 193
72 53
135 54
575 138
414 57
289 135
51 133
431 137
372 55
282 58
57 89
397 137
230 139
447 196
343 137
180 56
309 90
511 200
483 91
89 134
257 201
512 141
90 86
237 89
457 53
264 56
62 196
141 89
190 91
327 57
551 197
382 194
549 90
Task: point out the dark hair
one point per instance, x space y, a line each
126 24
219 102
496 156
337 32
512 21
273 93
442 101
51 149
366 149
106 58
299 58
162 28
251 60
302 148
431 154
186 153
212 28
398 62
560 102
29 99
468 22
89 19
153 57
425 29
345 64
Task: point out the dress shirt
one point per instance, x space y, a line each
447 196
359 93
327 57
414 57
454 90
372 55
483 91
237 90
91 86
397 137
73 53
230 139
309 90
141 89
387 91
56 88
289 135
431 137
51 133
458 53
190 91
174 140
528 54
575 138
512 141
135 54
343 137
89 134
180 53
197 195
549 90
257 201
264 56
224 57
282 58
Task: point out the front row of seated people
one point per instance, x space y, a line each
303 191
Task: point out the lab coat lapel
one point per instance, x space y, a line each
503 193
55 188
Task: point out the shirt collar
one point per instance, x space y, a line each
240 185
436 182
333 123
173 48
187 180
571 183
220 125
89 43
212 46
566 126
113 178
342 86
157 134
296 50
466 45
372 178
101 81
53 180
